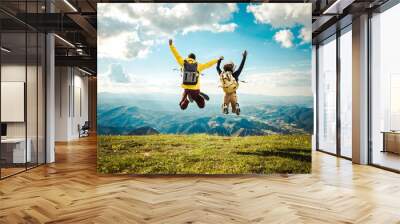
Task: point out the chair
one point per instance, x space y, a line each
84 130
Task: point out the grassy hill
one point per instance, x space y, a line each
204 154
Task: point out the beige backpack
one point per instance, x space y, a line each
228 82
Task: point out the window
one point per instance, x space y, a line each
346 93
385 89
327 96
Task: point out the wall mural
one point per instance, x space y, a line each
217 88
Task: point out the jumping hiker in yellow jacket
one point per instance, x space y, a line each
191 77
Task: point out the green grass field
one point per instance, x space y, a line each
204 154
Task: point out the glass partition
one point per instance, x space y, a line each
22 92
13 94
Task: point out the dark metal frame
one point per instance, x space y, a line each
45 87
26 90
338 98
0 88
369 81
317 97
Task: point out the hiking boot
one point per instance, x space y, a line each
184 104
205 96
225 109
237 109
190 98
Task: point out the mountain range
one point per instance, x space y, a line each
121 118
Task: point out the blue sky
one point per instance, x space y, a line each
134 56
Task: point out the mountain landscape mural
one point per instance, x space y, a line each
157 60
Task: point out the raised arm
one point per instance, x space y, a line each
176 54
239 70
219 65
207 65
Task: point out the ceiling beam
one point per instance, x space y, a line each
49 22
86 26
338 6
320 22
78 61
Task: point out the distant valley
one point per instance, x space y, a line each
153 116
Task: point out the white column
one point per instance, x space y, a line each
50 92
50 99
360 90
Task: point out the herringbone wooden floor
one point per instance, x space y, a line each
70 191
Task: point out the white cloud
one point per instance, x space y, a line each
215 28
128 31
122 46
285 38
116 73
116 79
305 35
278 83
283 16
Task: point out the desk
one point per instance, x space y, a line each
391 141
13 150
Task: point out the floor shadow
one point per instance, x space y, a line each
290 153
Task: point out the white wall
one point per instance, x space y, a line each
80 110
16 73
71 102
12 73
62 82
